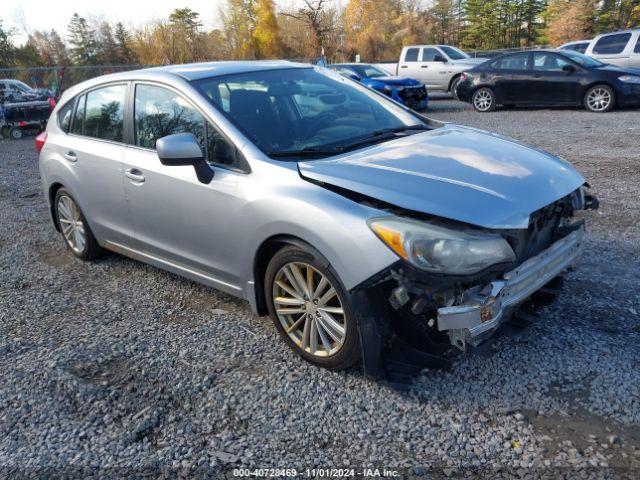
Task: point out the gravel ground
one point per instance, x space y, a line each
121 367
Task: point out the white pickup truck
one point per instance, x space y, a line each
437 66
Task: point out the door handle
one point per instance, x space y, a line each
424 66
403 66
71 156
134 175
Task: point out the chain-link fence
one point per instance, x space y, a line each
61 78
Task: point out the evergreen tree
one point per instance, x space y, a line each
107 48
124 45
7 50
82 39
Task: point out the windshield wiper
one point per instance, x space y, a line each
375 136
382 135
304 152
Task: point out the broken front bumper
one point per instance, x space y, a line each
483 312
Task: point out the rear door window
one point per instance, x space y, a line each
548 62
412 55
637 47
612 44
78 118
518 61
104 113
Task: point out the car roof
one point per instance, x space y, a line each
575 41
617 32
187 71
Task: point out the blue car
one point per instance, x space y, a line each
407 91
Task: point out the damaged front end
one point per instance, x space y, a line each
411 319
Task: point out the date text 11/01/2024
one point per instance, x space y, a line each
316 473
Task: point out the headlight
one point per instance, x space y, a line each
437 249
629 79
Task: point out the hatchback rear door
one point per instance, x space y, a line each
91 154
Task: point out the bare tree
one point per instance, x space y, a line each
314 15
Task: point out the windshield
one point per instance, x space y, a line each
22 86
302 110
581 59
370 71
453 53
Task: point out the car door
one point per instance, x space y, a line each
634 59
510 76
409 65
92 153
550 83
434 69
177 218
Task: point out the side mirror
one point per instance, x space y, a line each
568 68
438 57
355 77
184 149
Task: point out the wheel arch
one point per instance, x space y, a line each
453 79
265 252
53 189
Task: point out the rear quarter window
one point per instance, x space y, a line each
64 115
612 44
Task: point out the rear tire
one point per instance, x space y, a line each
484 100
599 99
316 324
74 227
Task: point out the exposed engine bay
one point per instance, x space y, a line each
432 316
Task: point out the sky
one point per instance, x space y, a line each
29 15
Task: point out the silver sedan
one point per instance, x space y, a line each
360 226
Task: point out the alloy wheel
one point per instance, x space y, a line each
309 309
71 224
599 99
483 100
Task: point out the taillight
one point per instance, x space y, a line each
40 139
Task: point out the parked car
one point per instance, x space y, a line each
437 66
358 225
620 48
579 46
407 91
549 78
17 91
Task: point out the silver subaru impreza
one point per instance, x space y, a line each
365 230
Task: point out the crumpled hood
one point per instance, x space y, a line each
453 172
396 81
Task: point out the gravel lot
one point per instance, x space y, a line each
119 366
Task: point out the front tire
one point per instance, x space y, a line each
310 308
484 100
454 86
74 227
599 99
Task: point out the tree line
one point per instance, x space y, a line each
374 29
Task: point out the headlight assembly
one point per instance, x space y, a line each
630 79
437 249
